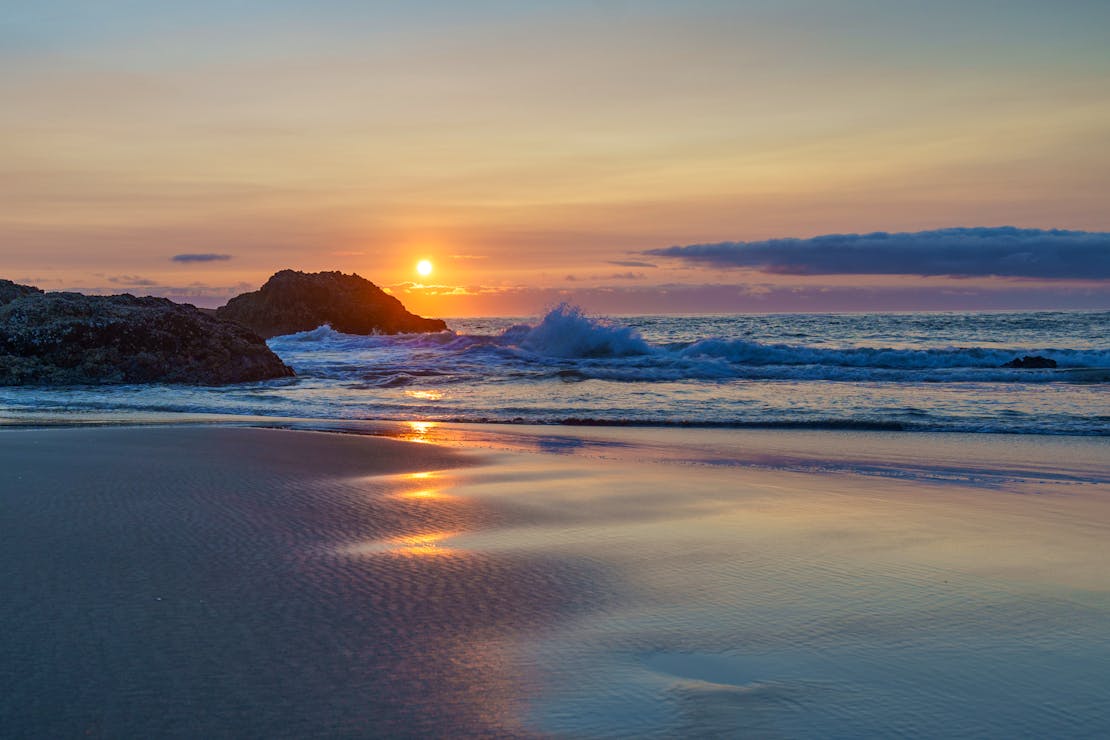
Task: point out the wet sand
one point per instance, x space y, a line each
235 582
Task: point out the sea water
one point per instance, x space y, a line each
899 372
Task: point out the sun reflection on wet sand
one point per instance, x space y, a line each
432 486
423 508
423 544
426 494
418 431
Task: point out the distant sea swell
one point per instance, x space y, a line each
567 339
922 371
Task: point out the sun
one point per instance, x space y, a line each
424 267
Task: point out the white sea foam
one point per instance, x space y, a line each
566 332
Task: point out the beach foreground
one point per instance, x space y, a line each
232 581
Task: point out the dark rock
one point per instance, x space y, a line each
69 338
293 301
1030 362
9 291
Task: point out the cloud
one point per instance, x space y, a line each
33 280
455 290
611 276
205 257
637 298
132 280
1002 251
630 263
199 294
441 290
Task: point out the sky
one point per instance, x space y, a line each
631 157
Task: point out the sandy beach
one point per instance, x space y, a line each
437 580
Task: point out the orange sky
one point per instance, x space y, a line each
525 149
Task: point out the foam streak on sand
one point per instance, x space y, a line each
220 581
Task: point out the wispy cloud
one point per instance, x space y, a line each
631 263
452 290
132 280
638 298
611 276
441 290
198 293
1002 251
201 257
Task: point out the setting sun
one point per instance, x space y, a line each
424 267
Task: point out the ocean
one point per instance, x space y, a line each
883 371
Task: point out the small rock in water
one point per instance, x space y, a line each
293 301
1031 362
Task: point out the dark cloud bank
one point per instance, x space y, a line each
1002 251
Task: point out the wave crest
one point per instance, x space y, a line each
758 354
568 344
566 332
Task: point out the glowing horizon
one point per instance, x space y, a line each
536 153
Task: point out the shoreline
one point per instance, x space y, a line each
54 419
772 449
424 578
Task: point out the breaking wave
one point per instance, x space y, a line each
572 346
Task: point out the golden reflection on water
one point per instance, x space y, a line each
425 395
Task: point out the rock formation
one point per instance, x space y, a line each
70 338
293 301
1031 362
10 291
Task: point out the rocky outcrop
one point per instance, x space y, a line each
293 301
9 291
1031 362
70 338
